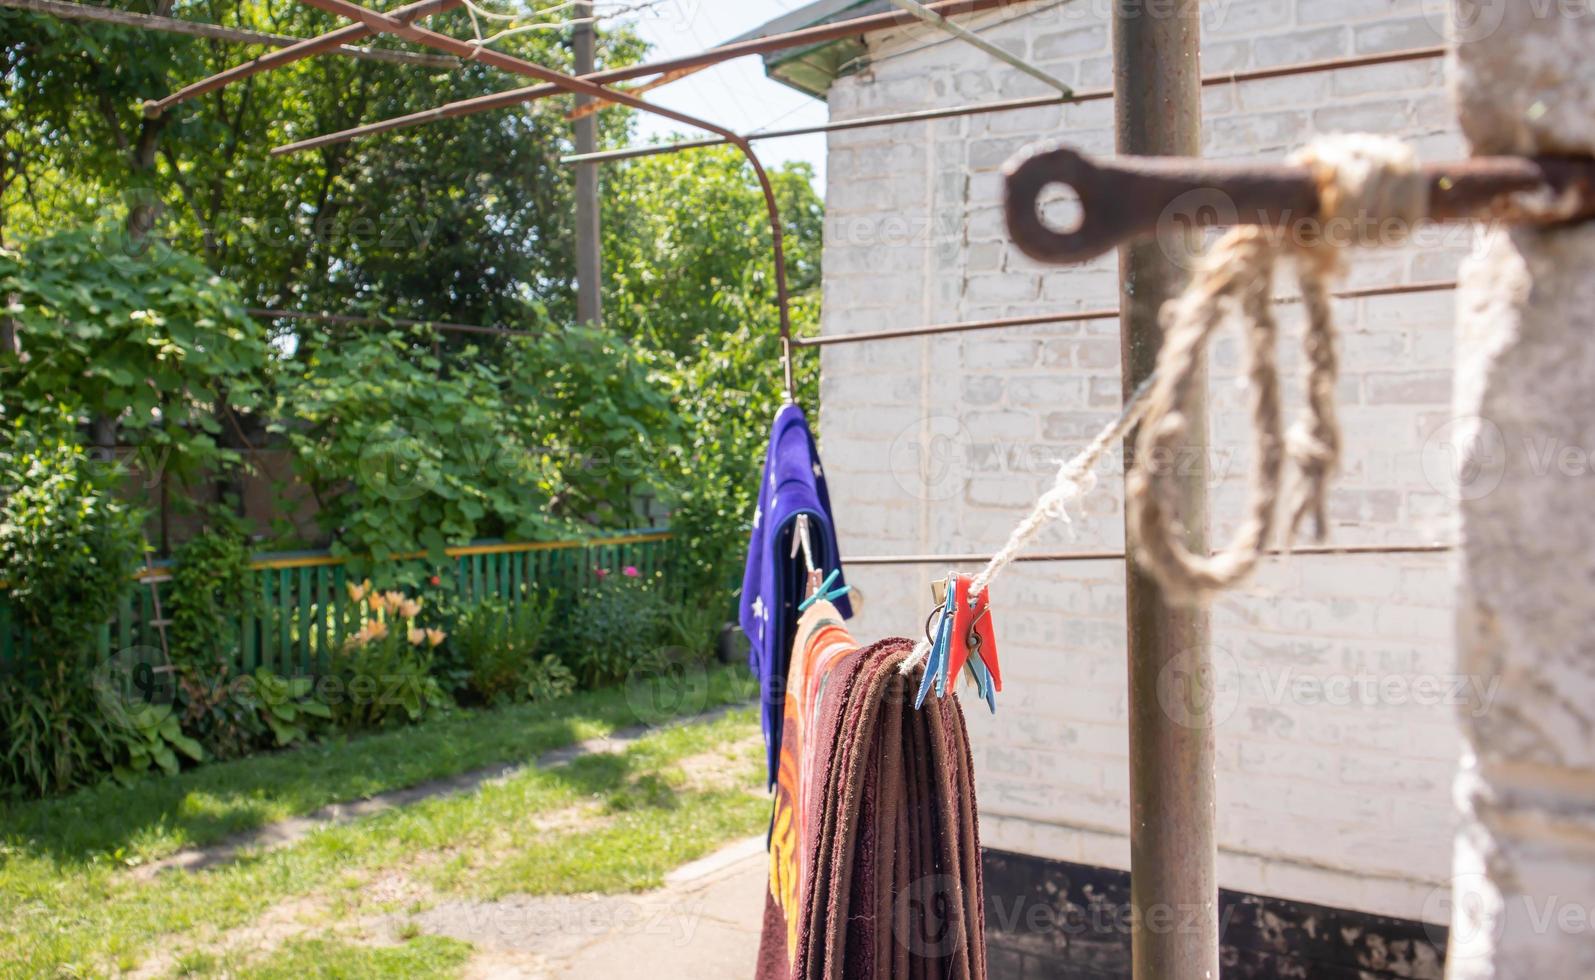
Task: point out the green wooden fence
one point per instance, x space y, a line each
302 608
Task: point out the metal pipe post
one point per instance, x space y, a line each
589 261
1173 881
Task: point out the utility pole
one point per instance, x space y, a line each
1173 881
589 261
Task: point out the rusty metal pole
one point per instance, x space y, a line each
589 258
1173 882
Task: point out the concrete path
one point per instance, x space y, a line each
702 925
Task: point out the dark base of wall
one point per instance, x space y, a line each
1061 921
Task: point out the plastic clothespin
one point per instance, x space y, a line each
825 591
936 662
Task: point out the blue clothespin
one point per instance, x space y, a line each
936 662
824 591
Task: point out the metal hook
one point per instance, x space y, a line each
1133 197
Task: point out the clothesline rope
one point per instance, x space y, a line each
1369 185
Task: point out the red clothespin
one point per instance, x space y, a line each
973 619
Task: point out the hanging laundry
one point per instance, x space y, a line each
773 583
875 850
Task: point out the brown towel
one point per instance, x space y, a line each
875 847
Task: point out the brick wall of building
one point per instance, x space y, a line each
1337 739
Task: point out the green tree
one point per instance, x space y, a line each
151 338
689 269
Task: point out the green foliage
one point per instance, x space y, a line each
149 338
405 454
154 739
212 589
593 409
705 291
56 737
450 220
499 647
693 629
288 706
68 547
612 628
384 672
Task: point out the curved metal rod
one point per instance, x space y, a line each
385 24
782 301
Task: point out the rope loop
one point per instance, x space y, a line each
1371 193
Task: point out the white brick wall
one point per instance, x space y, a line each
1336 745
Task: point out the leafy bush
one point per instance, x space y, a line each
68 546
384 670
150 338
212 590
287 706
694 630
69 549
612 627
498 647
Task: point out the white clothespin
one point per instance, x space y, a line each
801 541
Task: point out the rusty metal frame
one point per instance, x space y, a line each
1087 556
329 41
1017 105
712 56
387 24
1080 316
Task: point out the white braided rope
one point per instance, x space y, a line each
1076 477
1369 184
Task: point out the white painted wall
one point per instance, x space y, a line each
1343 804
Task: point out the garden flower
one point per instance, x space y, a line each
358 592
379 629
378 602
630 571
434 637
408 608
435 580
602 573
416 635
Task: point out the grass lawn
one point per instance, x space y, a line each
336 902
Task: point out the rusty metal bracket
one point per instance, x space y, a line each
1134 197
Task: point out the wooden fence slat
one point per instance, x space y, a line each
285 617
302 662
302 613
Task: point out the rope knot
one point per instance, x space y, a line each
1370 193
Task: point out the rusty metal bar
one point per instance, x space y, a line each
304 49
497 59
1016 105
1125 200
582 112
1079 316
974 40
214 32
1084 556
1173 848
376 321
725 52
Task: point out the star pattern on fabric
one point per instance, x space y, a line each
817 470
758 515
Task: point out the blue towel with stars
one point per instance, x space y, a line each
774 579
